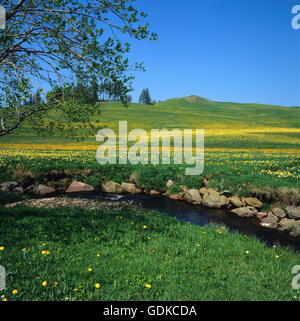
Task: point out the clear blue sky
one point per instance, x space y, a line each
233 50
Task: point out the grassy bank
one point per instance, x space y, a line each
274 173
127 253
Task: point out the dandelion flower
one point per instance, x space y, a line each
247 252
90 269
148 286
2 248
97 285
15 292
44 283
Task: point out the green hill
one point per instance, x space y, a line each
198 112
227 125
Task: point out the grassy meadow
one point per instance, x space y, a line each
127 253
248 147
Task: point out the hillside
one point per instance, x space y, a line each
198 112
226 124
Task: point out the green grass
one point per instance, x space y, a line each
226 124
179 260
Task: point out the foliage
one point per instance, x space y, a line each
65 43
145 97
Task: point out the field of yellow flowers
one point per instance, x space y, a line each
229 168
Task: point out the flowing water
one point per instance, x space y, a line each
199 215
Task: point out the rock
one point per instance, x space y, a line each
261 215
252 201
169 183
245 211
271 221
203 190
279 212
286 224
18 190
224 201
177 197
79 187
112 187
43 190
131 188
8 186
213 191
293 212
154 192
206 181
192 196
236 201
134 178
212 199
291 226
29 189
296 229
267 196
225 193
183 188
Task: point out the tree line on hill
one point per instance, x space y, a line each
81 93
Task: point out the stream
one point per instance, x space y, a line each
202 216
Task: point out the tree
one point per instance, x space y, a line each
67 44
145 97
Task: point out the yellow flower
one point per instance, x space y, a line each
4 300
55 283
24 249
98 254
198 245
44 283
90 269
247 252
277 257
145 226
97 285
148 237
44 252
75 290
15 292
2 248
148 286
44 244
